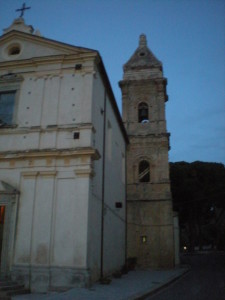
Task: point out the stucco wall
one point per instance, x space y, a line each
59 175
49 109
114 236
114 186
40 157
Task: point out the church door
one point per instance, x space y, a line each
9 197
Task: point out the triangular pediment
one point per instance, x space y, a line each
6 188
16 45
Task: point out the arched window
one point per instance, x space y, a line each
143 113
144 171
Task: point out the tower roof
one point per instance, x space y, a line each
142 58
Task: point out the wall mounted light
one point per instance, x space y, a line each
144 239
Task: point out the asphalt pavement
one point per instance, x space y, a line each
205 281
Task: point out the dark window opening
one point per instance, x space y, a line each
76 135
7 103
118 204
14 50
143 113
78 66
144 171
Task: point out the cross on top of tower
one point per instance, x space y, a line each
22 9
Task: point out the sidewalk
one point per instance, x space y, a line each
132 286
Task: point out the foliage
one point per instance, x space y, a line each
198 191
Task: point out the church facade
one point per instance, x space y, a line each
62 164
150 218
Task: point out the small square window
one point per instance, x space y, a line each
119 204
76 135
7 105
78 66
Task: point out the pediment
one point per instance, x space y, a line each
16 45
6 188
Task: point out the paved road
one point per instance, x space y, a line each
205 281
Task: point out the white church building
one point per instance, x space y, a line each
62 164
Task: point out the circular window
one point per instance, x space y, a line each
142 54
14 50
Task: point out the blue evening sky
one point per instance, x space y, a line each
188 36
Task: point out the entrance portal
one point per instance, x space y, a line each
8 210
2 220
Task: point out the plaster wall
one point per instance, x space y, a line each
49 110
52 218
60 176
52 222
95 204
114 185
114 236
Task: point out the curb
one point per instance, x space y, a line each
160 287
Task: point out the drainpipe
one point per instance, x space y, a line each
103 188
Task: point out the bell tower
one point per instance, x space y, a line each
150 239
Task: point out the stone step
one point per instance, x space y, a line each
10 288
6 282
22 291
5 298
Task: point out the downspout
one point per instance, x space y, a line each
103 189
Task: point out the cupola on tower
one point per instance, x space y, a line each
150 239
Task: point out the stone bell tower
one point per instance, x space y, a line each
150 239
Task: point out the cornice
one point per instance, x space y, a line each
43 41
47 60
152 135
51 153
157 80
51 128
11 78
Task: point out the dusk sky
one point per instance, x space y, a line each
188 36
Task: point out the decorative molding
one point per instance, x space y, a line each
52 153
84 172
31 174
50 128
11 78
47 60
47 173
